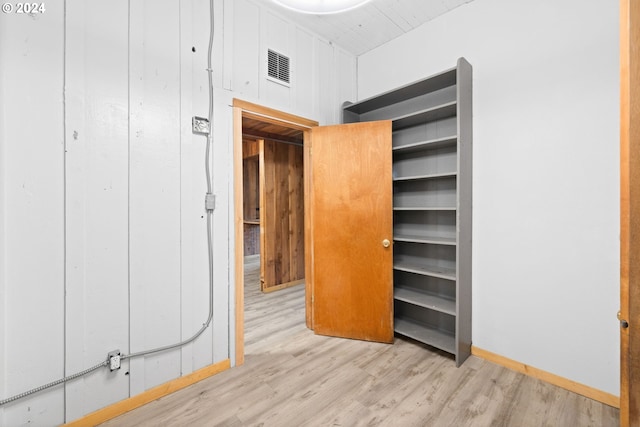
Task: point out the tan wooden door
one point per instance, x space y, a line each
351 213
629 213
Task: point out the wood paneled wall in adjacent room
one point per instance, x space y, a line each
251 196
251 239
251 199
282 215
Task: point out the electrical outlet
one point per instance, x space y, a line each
114 360
200 125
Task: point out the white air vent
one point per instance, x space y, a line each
278 67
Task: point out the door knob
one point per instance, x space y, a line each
386 243
623 323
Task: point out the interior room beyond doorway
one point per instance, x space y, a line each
270 212
273 203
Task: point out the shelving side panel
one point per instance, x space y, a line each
464 204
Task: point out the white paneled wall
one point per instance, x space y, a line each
102 220
305 76
96 202
327 74
154 219
546 168
3 234
322 75
246 51
277 36
32 164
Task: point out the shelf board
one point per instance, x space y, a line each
442 111
432 240
426 270
427 176
425 208
421 87
430 144
426 300
425 334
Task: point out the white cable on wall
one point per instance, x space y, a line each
209 208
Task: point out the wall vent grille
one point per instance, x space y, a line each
278 66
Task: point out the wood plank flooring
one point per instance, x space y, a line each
292 377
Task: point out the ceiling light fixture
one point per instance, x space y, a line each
320 7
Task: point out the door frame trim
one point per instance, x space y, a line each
268 115
629 209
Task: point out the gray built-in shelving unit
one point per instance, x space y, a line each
432 174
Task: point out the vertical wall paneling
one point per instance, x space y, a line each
251 196
3 179
246 50
282 219
251 239
136 106
190 218
326 76
195 102
201 38
346 78
154 198
119 220
276 35
296 212
304 74
213 345
226 32
96 118
223 247
32 139
322 75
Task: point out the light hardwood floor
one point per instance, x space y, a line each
292 377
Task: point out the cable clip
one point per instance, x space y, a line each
210 202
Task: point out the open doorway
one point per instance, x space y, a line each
273 203
269 164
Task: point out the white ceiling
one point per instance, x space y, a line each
369 26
